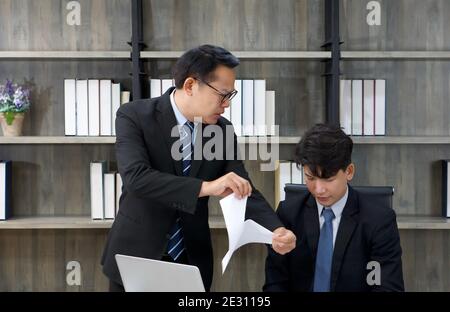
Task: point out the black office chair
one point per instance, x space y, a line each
381 194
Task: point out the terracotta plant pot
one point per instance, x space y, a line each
15 129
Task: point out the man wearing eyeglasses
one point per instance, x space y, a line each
163 210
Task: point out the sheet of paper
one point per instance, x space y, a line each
240 231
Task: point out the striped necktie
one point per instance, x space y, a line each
175 246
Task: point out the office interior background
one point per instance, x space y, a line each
301 48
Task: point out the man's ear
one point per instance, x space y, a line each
350 172
188 85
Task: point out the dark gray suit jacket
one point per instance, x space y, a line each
154 189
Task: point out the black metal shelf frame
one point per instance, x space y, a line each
332 70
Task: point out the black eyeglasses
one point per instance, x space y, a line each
225 97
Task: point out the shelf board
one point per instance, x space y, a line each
422 223
83 222
57 140
269 139
64 54
112 140
401 139
247 54
55 223
395 55
360 140
215 222
241 140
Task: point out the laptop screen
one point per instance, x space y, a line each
148 275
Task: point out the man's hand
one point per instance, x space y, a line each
283 240
225 185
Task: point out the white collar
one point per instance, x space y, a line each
337 207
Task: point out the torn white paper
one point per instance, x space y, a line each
240 231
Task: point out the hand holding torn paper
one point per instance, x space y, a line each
240 231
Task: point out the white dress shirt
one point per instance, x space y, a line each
337 208
181 119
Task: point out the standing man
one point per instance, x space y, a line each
164 205
339 231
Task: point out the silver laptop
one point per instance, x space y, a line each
140 274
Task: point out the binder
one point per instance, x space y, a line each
5 189
445 188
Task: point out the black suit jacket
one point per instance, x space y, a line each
367 232
154 189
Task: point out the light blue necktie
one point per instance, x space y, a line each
175 246
324 258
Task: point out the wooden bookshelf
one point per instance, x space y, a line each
69 55
248 55
280 41
75 222
403 140
395 55
215 222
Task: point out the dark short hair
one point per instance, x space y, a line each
325 149
200 62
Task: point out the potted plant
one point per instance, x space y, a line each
14 102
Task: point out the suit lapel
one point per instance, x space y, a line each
312 225
347 226
166 120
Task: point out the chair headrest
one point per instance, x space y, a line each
379 193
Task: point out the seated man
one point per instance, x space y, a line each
338 231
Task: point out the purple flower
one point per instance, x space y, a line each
20 97
9 87
18 102
14 98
